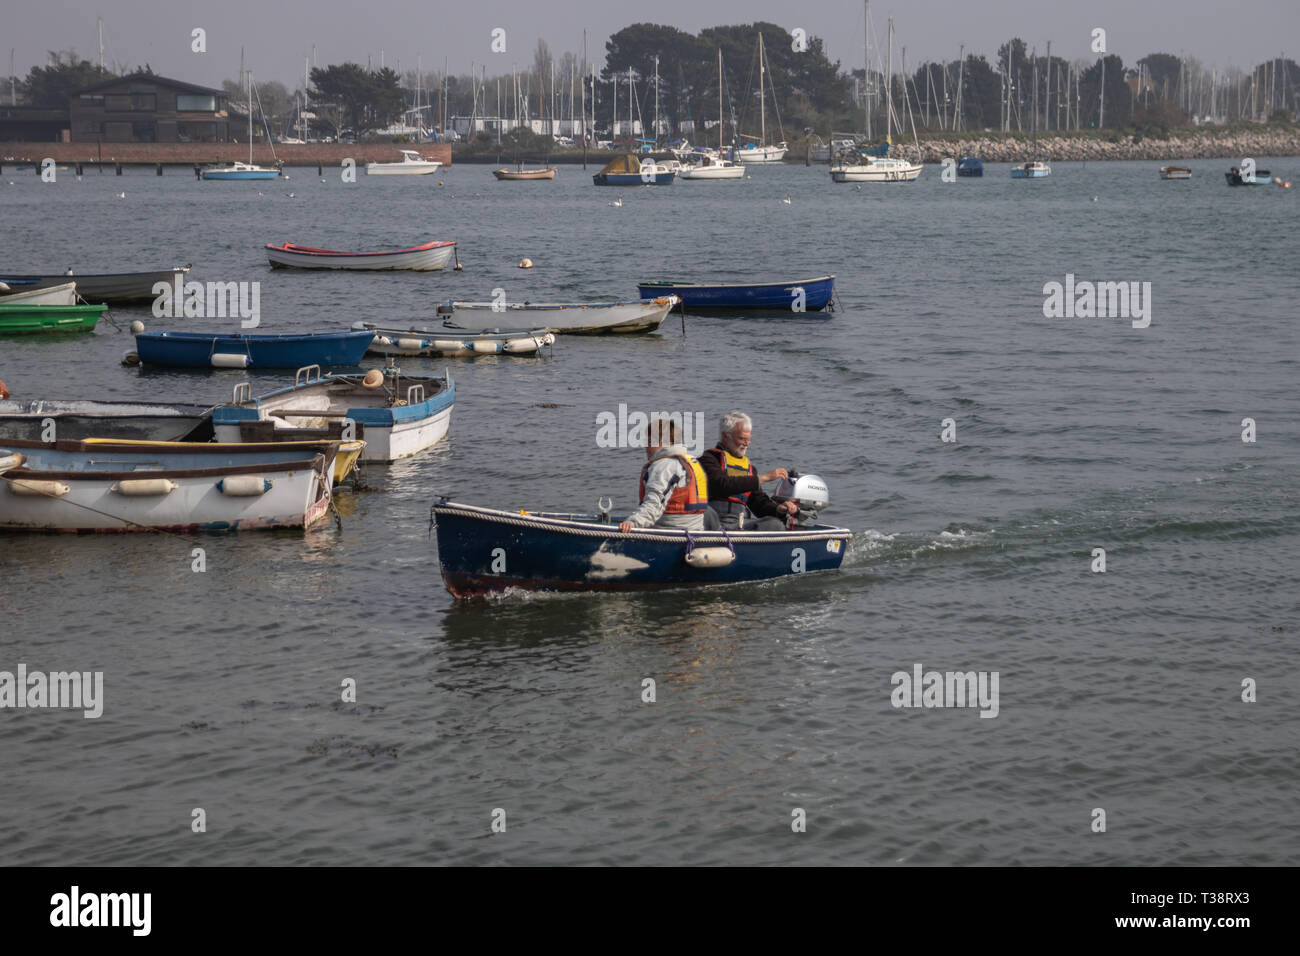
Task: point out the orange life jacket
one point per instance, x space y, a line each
691 498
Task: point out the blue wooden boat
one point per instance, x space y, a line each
482 550
216 350
1036 169
782 296
970 166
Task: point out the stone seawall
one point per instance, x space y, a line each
1196 145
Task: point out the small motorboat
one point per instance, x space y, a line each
577 318
483 550
970 166
431 343
1238 177
427 257
25 319
512 175
64 293
412 164
632 170
101 485
113 288
810 295
1175 172
397 416
1037 169
218 350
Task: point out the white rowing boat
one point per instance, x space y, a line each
595 318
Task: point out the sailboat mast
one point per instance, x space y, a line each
889 86
762 103
866 72
719 101
249 94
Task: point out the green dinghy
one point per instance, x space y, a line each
20 319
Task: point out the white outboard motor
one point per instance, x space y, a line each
809 492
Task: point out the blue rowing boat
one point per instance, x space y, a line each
970 166
783 296
482 550
214 350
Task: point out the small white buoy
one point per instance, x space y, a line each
286 177
121 195
525 263
457 268
786 200
322 180
1094 198
137 327
130 359
290 195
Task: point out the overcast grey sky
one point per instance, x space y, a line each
278 35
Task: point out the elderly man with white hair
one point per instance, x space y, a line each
735 486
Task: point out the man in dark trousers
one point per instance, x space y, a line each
735 486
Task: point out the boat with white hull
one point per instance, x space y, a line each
62 294
411 164
107 486
578 318
433 343
397 416
426 257
860 168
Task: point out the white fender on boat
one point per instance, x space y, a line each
522 345
710 557
244 486
10 461
136 487
450 347
410 345
229 360
44 489
484 345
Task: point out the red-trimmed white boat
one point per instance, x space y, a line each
428 257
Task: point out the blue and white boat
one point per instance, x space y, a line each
217 350
102 485
1036 169
239 170
246 170
482 550
811 295
970 166
395 415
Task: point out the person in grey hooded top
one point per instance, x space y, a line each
674 491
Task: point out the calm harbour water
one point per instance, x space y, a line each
1119 690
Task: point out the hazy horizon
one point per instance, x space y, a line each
276 39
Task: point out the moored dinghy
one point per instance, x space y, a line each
811 295
426 257
595 318
216 350
64 293
1175 172
398 342
155 421
483 550
100 485
396 415
25 319
113 288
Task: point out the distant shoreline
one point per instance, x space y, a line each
1234 143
